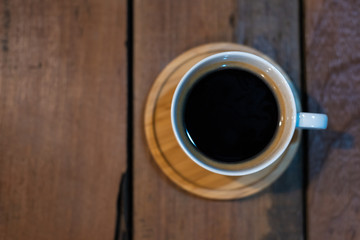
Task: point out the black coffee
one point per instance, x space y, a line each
231 115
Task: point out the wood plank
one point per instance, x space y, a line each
163 30
333 85
62 117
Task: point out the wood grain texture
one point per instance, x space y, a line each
333 86
62 117
163 30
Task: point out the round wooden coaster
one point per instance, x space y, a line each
174 162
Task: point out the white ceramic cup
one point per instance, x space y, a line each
290 116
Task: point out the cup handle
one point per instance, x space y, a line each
311 120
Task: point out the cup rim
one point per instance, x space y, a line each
194 154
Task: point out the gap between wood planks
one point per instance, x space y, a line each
124 216
304 103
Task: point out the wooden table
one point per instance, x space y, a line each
74 76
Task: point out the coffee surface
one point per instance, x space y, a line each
231 115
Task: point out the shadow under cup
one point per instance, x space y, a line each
274 79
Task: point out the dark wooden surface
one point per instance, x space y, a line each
333 87
63 98
62 118
163 30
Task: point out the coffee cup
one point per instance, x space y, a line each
235 113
